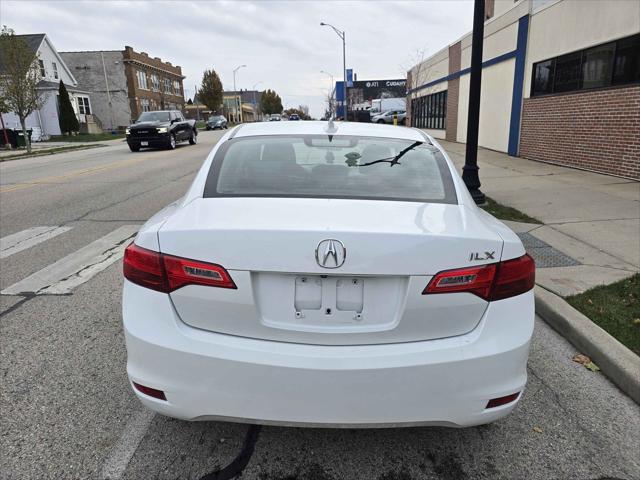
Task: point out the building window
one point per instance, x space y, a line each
142 80
613 63
176 87
430 111
144 103
55 70
42 71
83 106
167 85
626 67
155 82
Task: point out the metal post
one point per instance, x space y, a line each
470 169
342 36
344 75
195 92
235 98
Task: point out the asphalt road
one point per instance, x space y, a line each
67 412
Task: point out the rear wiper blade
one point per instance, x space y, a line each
353 162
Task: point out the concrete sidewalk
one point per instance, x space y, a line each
44 146
591 231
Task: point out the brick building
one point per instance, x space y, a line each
560 84
125 83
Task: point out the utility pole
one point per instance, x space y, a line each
342 35
470 169
195 93
255 105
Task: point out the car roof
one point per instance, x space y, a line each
320 128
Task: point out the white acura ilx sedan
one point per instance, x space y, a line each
321 274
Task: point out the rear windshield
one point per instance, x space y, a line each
321 166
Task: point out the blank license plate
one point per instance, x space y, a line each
144 144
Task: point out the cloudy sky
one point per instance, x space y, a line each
281 42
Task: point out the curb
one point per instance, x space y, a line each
618 363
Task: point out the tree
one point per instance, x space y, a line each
67 117
189 102
210 92
271 102
19 79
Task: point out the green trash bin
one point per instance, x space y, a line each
20 141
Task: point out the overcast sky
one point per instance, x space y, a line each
281 42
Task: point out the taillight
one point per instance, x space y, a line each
182 271
491 282
166 273
144 267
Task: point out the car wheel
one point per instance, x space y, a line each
380 121
193 139
208 128
172 142
133 148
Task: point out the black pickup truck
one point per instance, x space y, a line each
161 129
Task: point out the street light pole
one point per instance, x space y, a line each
235 96
332 86
470 169
255 105
341 34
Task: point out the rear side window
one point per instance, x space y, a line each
330 167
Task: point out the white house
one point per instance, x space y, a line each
52 70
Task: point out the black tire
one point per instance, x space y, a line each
208 128
193 139
171 145
380 121
134 148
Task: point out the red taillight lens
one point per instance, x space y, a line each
514 277
144 267
166 273
476 280
496 281
182 271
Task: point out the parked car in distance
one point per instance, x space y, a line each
161 129
275 117
391 298
216 121
381 105
294 116
387 117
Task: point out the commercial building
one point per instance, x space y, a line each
52 70
125 83
360 93
560 84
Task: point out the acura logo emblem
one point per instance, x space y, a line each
330 253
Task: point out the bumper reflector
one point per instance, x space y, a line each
152 392
497 402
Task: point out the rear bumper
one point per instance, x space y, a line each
214 376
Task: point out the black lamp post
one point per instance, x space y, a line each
470 169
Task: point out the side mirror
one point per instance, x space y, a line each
173 120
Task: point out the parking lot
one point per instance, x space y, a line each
66 406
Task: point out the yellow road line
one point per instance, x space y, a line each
76 173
